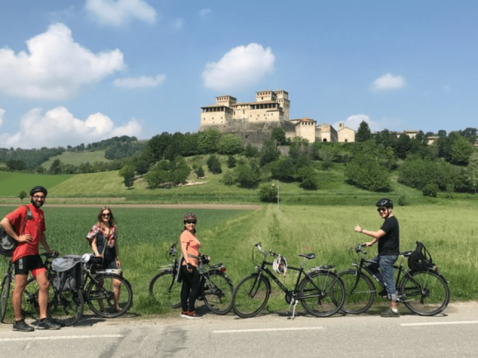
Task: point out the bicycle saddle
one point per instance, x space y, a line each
307 256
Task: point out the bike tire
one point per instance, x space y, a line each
102 298
322 293
251 296
358 299
166 291
217 292
30 306
425 293
4 294
66 308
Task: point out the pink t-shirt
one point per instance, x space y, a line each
192 246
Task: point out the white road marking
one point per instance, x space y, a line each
59 338
438 323
267 330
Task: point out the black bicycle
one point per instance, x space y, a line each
321 292
425 293
107 293
216 286
65 307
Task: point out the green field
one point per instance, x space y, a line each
12 183
228 236
76 158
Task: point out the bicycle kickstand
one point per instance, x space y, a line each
292 302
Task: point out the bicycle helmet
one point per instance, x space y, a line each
190 217
387 203
38 189
280 265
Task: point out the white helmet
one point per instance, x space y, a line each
280 265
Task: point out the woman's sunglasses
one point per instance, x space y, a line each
190 222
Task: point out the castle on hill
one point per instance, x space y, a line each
254 121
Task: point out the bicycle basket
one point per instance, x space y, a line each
67 273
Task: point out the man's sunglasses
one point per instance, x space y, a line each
381 210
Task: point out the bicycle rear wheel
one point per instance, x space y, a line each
30 307
322 293
4 294
217 292
66 308
109 295
425 293
359 295
251 295
166 291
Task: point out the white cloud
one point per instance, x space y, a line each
140 82
58 127
205 12
241 67
388 82
2 112
374 125
55 66
116 13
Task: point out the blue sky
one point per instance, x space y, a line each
78 71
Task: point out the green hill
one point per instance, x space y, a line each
12 183
76 158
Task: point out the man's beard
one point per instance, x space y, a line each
35 204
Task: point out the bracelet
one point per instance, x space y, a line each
361 231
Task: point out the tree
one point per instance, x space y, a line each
157 145
55 167
268 193
208 141
231 161
472 172
247 176
142 166
461 149
230 144
128 172
363 133
200 172
214 165
309 178
250 151
22 195
278 134
402 146
365 172
269 152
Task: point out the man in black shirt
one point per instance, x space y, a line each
388 237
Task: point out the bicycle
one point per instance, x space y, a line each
321 292
107 293
425 293
216 286
64 307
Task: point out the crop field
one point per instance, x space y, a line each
12 183
76 158
228 236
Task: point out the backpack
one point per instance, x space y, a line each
7 243
67 273
420 259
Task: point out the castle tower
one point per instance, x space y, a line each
284 102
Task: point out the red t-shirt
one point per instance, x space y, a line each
35 227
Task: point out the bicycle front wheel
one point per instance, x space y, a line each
4 294
425 293
251 295
322 293
30 306
66 308
109 295
359 292
165 289
217 292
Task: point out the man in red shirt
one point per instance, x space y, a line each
26 257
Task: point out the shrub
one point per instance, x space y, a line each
403 200
200 172
431 190
268 193
214 165
228 178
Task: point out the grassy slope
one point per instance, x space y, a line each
76 158
11 183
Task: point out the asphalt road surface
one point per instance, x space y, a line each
453 334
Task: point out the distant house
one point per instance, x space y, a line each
346 134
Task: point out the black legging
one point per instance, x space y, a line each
190 289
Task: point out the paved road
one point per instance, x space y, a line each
450 335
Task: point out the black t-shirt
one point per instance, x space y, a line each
389 244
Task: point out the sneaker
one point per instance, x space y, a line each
383 293
184 314
21 326
193 315
390 313
47 324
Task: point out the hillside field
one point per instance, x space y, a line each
228 236
76 158
12 183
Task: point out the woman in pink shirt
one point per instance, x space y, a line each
189 267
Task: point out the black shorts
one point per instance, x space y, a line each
31 263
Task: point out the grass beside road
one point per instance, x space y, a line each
228 236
